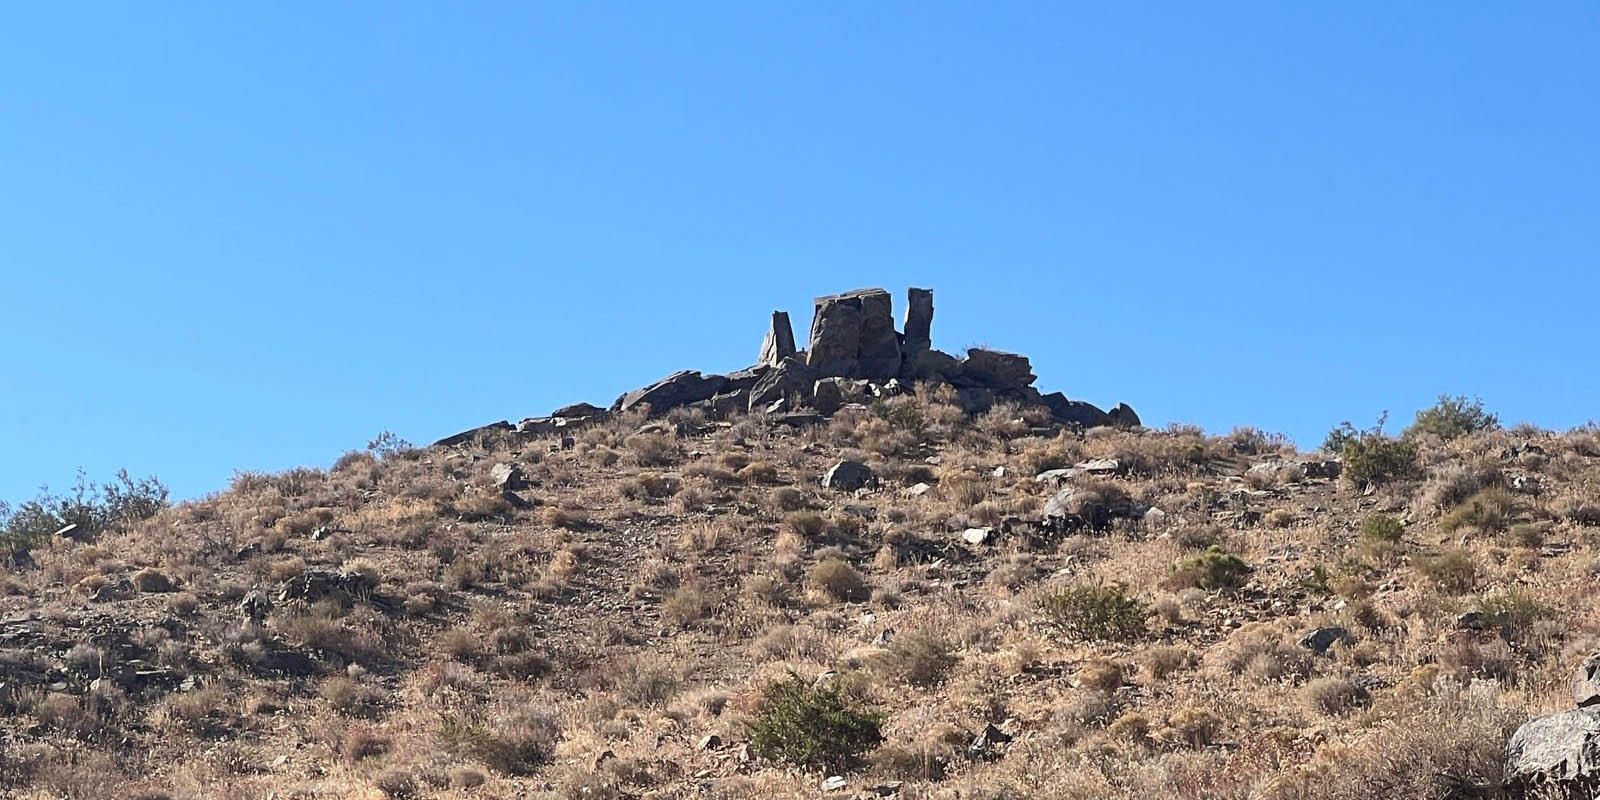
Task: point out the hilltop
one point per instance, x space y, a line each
862 569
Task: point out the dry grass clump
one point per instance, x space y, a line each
1453 571
919 658
1335 695
839 580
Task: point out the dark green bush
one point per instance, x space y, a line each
1373 459
812 726
1382 528
1488 510
1454 416
1512 612
1097 612
1213 569
93 508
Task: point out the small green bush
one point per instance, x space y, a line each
1512 611
1452 571
1373 459
812 726
1488 510
1382 528
1453 417
1213 569
94 508
1097 612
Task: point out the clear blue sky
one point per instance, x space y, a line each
251 236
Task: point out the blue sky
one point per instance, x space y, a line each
251 236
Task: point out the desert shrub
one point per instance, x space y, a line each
1453 571
653 449
1097 612
517 743
1214 568
919 658
812 726
1100 675
1333 695
806 524
1382 528
1372 459
1512 611
686 604
1489 510
1453 417
1193 726
93 508
839 580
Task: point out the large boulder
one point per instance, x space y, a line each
790 377
929 365
1075 412
678 389
1123 417
853 336
474 434
1560 751
779 342
996 370
1586 682
577 410
848 476
918 335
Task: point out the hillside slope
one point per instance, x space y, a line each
600 614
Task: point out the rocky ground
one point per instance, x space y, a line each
1031 610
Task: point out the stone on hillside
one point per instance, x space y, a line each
1057 476
678 389
977 535
848 476
1586 682
779 342
1561 751
1123 417
827 396
925 365
577 410
835 335
919 320
1318 640
1324 468
974 399
790 377
1075 412
879 355
472 435
509 477
727 404
996 370
1102 466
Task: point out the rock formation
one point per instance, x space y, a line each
854 355
1559 755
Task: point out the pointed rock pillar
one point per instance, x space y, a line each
919 320
779 342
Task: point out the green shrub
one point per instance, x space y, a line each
1213 569
1382 528
1488 510
812 726
93 508
1373 459
1097 612
1452 571
1454 416
1512 611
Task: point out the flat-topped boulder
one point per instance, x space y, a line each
853 336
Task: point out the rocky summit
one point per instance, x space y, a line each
853 356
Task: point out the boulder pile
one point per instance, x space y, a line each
854 355
1559 755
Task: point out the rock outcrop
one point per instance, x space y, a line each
854 355
1559 755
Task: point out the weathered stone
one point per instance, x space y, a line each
1057 476
256 605
1586 682
929 365
727 404
1321 468
509 477
678 389
744 378
577 410
919 320
848 476
852 335
472 435
996 370
974 399
977 535
1318 640
879 355
827 396
779 342
1561 751
1123 417
1074 412
790 377
1102 466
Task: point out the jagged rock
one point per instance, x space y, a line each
848 476
255 606
1561 751
827 396
996 370
790 377
726 404
577 410
1318 640
853 336
1586 682
925 365
1326 468
1057 476
744 379
678 389
779 342
1123 417
509 477
977 535
1075 507
472 435
1102 466
1075 412
919 320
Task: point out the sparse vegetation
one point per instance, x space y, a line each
812 725
1097 612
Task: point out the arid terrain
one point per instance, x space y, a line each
863 569
605 619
